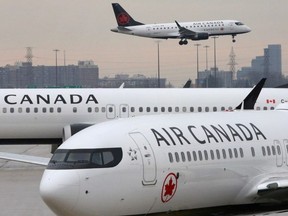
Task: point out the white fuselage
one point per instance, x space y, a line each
170 163
170 30
36 115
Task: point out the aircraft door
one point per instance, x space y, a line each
124 111
148 158
231 26
279 153
110 111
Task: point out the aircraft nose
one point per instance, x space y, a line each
59 189
248 29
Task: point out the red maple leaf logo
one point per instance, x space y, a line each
123 18
169 188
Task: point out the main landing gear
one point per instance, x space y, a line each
183 42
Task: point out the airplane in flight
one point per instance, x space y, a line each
173 162
200 30
50 116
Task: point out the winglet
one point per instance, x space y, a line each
179 26
252 97
187 84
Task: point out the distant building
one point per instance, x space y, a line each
24 75
269 65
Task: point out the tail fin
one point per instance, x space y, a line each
122 17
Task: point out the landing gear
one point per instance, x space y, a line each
233 38
183 42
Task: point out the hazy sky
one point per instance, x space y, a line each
82 29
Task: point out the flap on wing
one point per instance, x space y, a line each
25 158
184 32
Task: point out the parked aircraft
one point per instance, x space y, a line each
49 116
200 30
173 162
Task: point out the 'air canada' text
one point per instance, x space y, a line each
208 134
13 99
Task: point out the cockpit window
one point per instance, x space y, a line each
239 23
85 158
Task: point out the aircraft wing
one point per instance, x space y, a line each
184 32
42 161
273 187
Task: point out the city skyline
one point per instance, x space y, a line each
83 31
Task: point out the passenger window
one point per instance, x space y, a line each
235 153
11 110
110 109
27 110
35 110
184 109
148 109
89 109
44 109
133 109
268 150
205 155
263 151
170 157
124 110
212 154
162 109
20 110
278 150
273 150
96 109
169 109
230 153
74 109
4 110
218 154
189 156
59 109
199 109
206 109
191 109
103 109
183 156
224 153
241 153
194 155
176 109
177 157
214 109
200 155
252 151
155 109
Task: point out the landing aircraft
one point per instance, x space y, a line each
173 162
49 116
200 30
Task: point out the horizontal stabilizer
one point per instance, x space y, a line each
42 161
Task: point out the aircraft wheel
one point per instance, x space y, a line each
185 42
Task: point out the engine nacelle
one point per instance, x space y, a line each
72 129
200 36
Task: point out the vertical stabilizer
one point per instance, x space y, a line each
122 17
